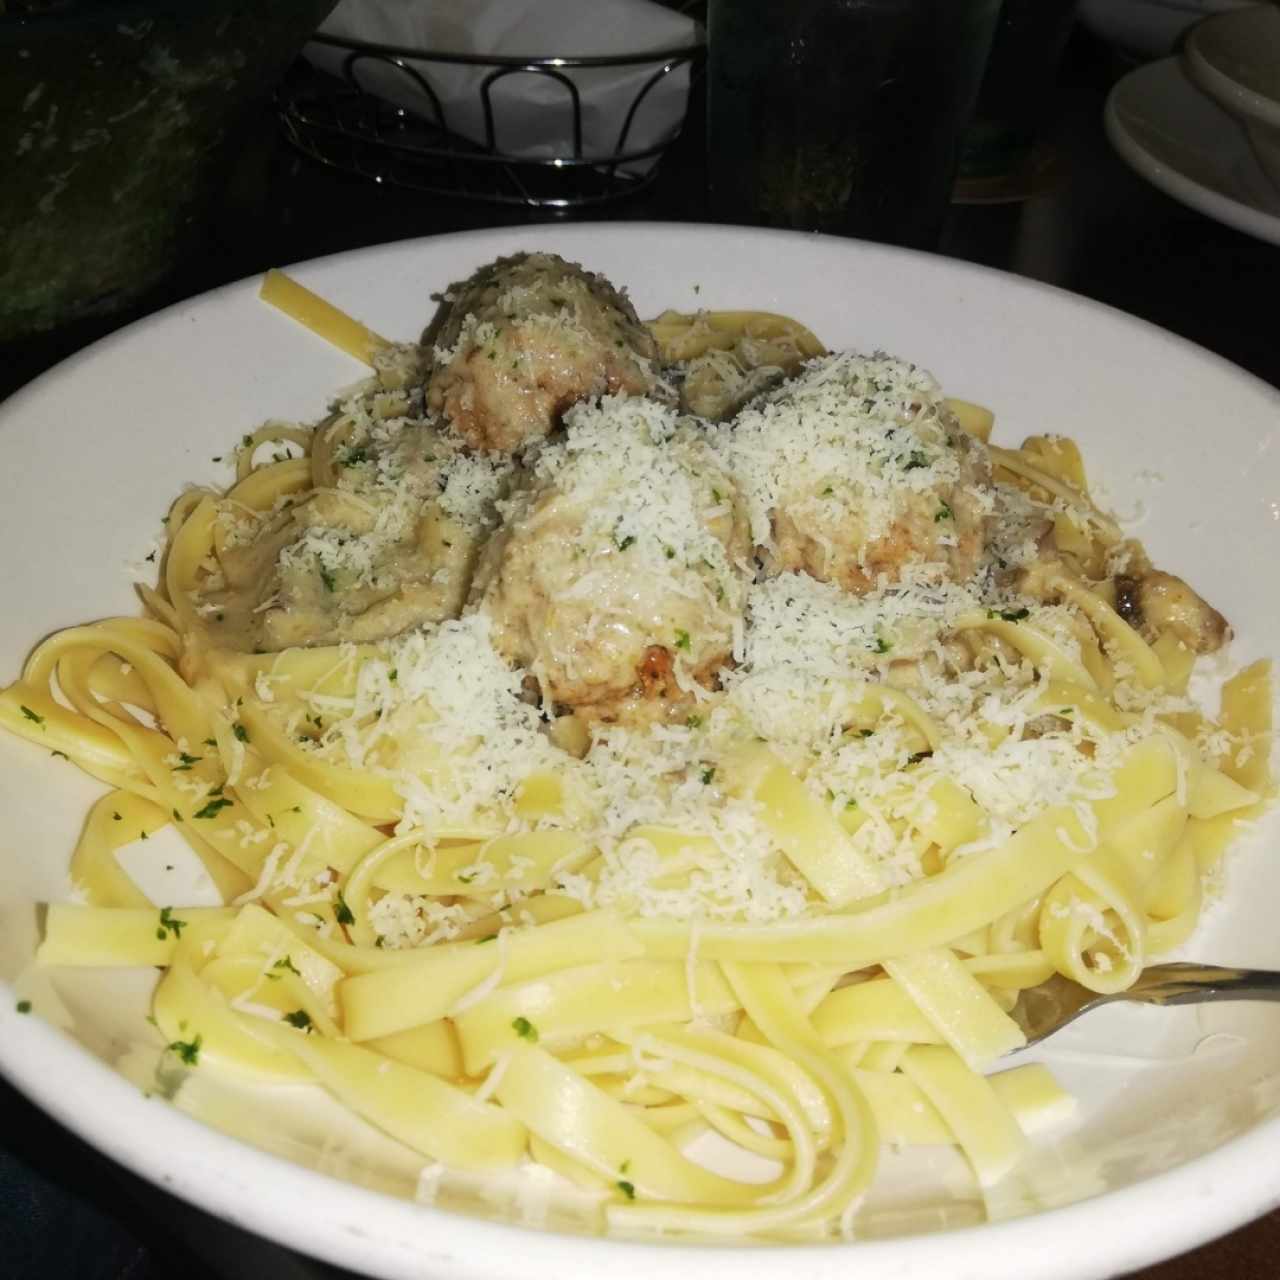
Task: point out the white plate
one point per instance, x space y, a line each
1185 144
1177 1135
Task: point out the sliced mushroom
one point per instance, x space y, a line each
1158 602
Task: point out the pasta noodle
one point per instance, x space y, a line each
781 887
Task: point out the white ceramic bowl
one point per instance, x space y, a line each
1175 1140
1147 28
1235 59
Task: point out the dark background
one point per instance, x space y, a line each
1099 231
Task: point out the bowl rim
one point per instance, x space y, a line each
1238 98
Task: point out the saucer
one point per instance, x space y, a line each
1182 142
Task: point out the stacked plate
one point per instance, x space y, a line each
1204 126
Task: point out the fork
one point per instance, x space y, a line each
1042 1010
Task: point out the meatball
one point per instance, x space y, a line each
385 540
617 580
522 340
855 471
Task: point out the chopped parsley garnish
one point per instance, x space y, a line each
177 817
467 876
624 543
341 912
246 441
299 1018
285 963
917 459
694 722
682 639
168 924
917 756
213 808
353 457
716 494
115 817
392 675
63 754
828 491
525 1029
944 512
670 552
707 774
1009 615
211 742
185 762
23 1006
881 645
32 716
326 576
241 733
627 1189
488 937
187 1050
865 733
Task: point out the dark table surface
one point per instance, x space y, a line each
1099 231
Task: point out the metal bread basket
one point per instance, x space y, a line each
338 122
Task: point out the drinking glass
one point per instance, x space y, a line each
997 157
842 115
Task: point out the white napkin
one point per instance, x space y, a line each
533 115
